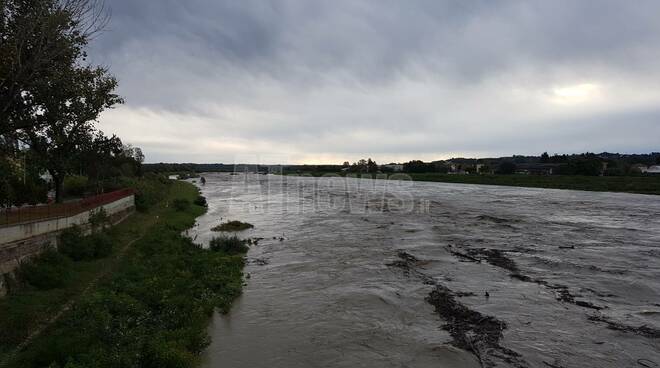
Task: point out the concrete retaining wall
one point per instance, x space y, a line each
26 240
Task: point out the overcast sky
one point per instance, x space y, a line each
328 81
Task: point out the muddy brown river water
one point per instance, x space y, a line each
381 273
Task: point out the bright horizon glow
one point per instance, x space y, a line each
578 93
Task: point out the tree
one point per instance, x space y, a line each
67 110
417 166
99 156
38 40
587 165
507 168
372 166
545 158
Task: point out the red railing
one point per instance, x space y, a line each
11 216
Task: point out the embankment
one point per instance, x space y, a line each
150 308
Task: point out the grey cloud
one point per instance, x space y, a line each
324 69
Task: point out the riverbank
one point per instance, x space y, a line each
622 184
147 304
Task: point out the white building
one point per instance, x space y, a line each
652 170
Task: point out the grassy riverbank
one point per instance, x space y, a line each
624 184
149 308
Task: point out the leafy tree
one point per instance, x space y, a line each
372 166
545 158
365 166
507 168
586 165
38 40
68 109
418 166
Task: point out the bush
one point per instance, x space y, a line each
47 271
228 244
181 204
99 219
101 243
75 186
84 248
71 244
201 201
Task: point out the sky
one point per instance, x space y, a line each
315 81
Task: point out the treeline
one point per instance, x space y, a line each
587 164
50 101
186 168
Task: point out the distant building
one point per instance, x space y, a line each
639 168
654 170
537 169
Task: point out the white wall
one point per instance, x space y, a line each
23 231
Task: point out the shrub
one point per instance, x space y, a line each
181 204
201 201
99 219
84 248
47 271
233 226
75 186
228 244
71 244
101 243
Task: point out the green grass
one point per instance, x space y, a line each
150 310
228 244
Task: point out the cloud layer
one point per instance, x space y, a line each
328 81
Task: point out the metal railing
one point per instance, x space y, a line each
27 214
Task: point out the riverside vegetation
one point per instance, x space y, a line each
233 226
152 302
622 184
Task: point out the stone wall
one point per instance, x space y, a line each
23 241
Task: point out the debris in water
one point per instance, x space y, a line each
641 330
473 331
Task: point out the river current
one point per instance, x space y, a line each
351 272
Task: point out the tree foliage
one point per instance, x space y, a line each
50 99
40 40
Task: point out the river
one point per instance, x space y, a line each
384 273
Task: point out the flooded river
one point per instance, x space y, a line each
381 273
